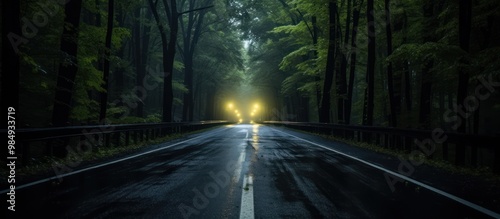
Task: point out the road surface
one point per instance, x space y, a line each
246 171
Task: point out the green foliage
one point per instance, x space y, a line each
487 61
153 118
257 49
445 57
89 77
179 87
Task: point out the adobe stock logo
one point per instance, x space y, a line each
456 116
94 137
210 190
40 19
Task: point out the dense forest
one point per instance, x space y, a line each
410 64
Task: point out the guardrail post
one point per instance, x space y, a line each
445 150
367 137
117 139
135 136
459 154
386 140
405 147
407 141
473 156
25 153
127 136
48 148
107 139
496 160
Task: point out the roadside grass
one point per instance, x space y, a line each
44 166
483 172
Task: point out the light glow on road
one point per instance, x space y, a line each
244 112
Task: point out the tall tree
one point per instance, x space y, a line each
168 50
68 66
370 68
141 33
406 67
464 31
324 114
118 80
191 33
342 74
107 54
352 69
426 84
11 40
138 59
390 80
317 78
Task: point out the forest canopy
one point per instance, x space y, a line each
409 64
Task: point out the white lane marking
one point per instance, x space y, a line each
246 210
246 132
104 164
438 191
237 171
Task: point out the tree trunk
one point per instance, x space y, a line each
107 54
406 68
168 96
210 105
342 74
191 37
142 37
425 96
352 68
144 40
187 109
407 85
139 76
324 114
317 78
11 40
426 84
168 50
370 70
392 99
118 81
304 109
464 29
67 69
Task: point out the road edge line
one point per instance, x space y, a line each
428 187
100 165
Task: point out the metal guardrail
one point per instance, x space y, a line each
464 147
55 141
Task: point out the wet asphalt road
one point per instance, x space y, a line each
216 174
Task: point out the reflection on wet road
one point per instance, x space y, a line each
237 171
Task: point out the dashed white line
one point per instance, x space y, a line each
438 191
247 211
